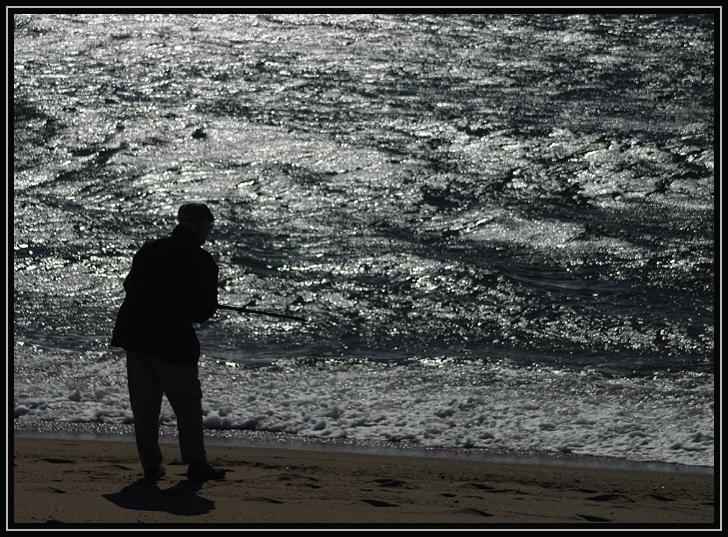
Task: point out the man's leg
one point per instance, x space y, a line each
145 395
181 385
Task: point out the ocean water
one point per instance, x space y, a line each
500 227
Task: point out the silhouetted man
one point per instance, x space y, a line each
172 283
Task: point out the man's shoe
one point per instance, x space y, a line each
203 471
154 474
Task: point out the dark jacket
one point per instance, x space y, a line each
172 283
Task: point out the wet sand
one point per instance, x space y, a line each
98 482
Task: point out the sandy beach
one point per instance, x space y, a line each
98 482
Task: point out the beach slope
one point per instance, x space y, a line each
99 482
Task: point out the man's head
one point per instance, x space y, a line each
198 218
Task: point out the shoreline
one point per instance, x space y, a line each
82 482
264 439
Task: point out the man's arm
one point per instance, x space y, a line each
207 303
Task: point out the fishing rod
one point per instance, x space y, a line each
261 312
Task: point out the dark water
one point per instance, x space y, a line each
473 211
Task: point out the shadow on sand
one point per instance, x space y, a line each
181 499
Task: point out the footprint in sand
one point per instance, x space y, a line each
265 499
300 480
592 518
390 483
491 490
662 498
58 461
379 503
473 511
120 467
611 498
479 486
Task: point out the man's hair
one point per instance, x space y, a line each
195 212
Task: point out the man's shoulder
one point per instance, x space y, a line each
173 248
156 244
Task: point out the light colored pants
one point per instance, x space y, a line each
149 378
